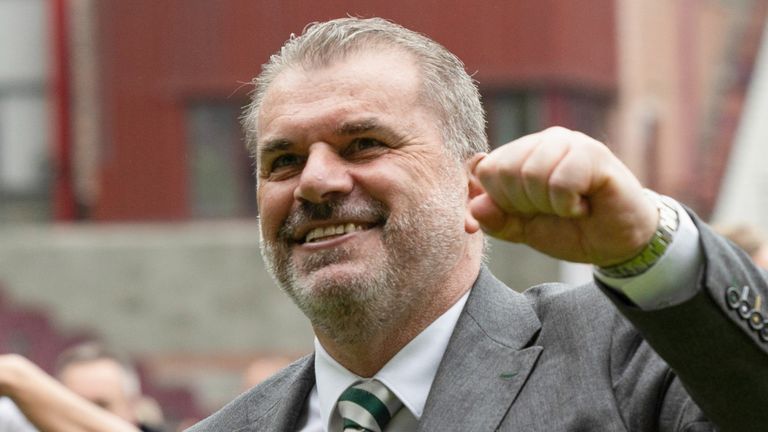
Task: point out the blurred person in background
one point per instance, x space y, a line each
374 193
109 381
150 415
750 239
46 404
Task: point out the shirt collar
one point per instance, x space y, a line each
409 374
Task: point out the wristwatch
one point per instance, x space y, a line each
669 221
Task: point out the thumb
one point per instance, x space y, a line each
492 219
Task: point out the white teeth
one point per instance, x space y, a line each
322 232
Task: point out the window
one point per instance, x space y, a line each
512 114
24 120
220 175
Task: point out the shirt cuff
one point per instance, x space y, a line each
673 279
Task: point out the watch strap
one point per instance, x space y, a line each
669 222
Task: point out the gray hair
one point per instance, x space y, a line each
446 86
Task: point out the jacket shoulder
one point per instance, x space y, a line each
561 301
260 400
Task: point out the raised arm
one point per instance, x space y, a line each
49 405
568 196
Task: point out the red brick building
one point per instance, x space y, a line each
171 77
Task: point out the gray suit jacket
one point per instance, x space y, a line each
557 358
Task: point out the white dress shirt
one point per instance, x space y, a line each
673 278
11 419
410 373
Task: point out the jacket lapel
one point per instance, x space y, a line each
487 360
284 415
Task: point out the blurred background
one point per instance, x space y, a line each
127 210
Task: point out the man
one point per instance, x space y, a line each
102 377
374 191
97 391
45 404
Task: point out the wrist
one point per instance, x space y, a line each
12 374
668 223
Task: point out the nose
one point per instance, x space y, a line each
324 176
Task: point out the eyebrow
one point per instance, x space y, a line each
369 125
358 127
344 129
274 145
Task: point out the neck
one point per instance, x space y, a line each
366 357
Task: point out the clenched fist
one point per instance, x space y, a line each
564 194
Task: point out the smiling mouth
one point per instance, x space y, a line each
322 233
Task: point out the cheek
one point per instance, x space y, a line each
403 183
274 207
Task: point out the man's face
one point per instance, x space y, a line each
360 206
102 382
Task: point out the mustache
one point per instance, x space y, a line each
367 209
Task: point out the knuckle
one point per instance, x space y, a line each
530 171
558 182
557 128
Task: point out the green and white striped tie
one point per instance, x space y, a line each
367 406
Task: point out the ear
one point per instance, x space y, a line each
474 188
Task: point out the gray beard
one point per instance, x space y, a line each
418 249
349 309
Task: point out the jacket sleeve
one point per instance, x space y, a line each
716 343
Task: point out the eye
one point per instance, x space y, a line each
284 161
362 144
